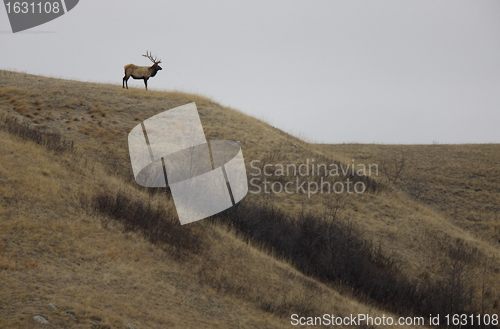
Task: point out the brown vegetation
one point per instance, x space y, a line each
78 232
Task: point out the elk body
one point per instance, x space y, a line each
141 72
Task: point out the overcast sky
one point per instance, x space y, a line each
399 72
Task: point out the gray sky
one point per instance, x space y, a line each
397 71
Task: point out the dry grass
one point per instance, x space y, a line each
100 132
53 252
459 182
445 193
97 111
72 103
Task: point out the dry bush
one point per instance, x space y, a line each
51 140
394 165
417 188
334 251
155 224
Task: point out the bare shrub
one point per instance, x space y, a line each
51 140
332 250
394 165
417 188
141 216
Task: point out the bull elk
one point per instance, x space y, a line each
141 72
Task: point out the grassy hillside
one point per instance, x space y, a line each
72 229
460 182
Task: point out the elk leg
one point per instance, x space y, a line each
146 83
125 81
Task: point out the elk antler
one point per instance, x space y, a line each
154 60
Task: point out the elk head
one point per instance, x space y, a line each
154 60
